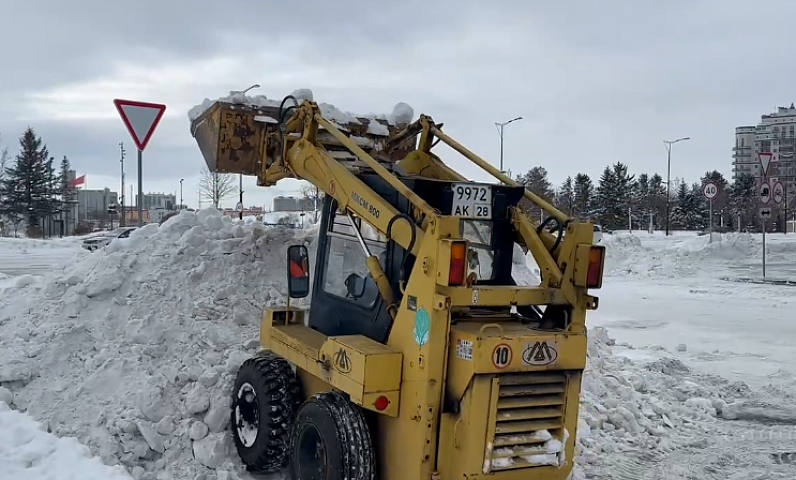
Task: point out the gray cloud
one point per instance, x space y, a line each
597 82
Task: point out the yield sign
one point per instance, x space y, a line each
765 161
140 118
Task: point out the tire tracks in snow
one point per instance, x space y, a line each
728 451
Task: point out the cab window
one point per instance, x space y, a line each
347 275
482 257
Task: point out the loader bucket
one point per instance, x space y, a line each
233 137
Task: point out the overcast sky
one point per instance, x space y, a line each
596 81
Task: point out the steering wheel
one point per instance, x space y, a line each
559 227
351 283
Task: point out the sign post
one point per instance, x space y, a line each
141 120
765 197
710 190
778 195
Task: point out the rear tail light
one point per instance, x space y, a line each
381 403
594 275
458 263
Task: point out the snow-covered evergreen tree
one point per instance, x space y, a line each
30 186
688 212
536 181
614 194
743 201
583 195
565 197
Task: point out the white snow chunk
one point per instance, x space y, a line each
377 128
198 431
197 400
6 396
265 119
153 438
211 451
402 113
28 452
303 94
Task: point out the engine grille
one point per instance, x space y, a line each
528 421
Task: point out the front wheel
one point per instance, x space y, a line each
330 440
265 399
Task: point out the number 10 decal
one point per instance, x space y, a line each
501 356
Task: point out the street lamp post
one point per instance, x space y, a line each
240 187
668 144
499 127
122 219
181 204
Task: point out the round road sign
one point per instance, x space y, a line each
501 356
239 207
778 192
765 193
710 190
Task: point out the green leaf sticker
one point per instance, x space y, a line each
422 327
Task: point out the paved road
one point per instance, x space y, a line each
775 269
17 259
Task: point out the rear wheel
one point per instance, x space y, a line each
330 440
265 400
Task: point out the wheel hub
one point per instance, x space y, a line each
311 455
247 415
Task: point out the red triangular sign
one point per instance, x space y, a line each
140 118
765 161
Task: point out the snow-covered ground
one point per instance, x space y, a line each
132 350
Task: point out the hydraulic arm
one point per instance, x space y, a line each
302 144
413 361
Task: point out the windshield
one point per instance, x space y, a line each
116 232
479 234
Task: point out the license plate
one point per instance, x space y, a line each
472 201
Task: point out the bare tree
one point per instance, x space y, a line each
315 195
216 186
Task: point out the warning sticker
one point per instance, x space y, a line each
540 353
464 349
501 356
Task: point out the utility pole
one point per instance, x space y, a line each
181 205
499 127
122 218
668 144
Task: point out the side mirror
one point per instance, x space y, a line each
298 271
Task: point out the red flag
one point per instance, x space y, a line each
79 181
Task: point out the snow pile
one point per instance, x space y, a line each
652 408
726 246
28 452
402 113
524 268
681 255
134 349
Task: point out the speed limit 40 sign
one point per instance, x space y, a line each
710 190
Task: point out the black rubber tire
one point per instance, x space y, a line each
278 397
344 434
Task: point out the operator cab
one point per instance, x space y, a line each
346 299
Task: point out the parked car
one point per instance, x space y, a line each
598 234
95 243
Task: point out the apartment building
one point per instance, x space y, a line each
776 133
165 201
293 204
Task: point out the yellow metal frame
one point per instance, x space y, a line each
420 436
